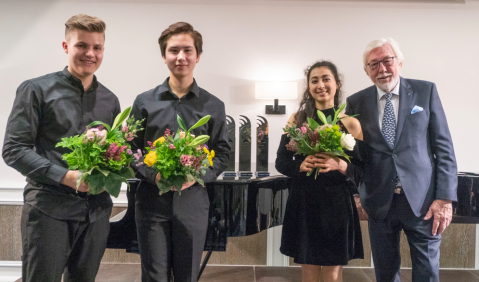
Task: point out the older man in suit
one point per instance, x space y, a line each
410 175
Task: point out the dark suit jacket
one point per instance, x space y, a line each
423 155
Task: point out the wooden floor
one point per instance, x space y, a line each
132 273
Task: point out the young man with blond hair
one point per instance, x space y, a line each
64 229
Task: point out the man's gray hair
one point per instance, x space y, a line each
380 42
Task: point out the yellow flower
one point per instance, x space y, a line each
206 150
211 162
161 139
150 158
212 153
210 158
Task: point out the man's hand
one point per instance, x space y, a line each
361 212
157 178
442 212
70 179
185 185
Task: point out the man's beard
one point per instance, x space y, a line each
387 87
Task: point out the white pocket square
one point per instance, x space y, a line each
416 109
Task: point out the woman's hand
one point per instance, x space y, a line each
328 163
308 164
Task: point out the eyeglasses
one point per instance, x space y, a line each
387 62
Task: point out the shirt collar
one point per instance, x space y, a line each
165 87
76 80
395 91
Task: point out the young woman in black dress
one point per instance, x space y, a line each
321 226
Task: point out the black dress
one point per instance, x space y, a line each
321 224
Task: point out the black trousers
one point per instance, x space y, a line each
54 247
385 235
171 232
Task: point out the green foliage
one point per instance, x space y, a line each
181 123
168 159
324 139
103 156
201 122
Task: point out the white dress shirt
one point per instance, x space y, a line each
382 103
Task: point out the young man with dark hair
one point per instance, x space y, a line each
64 229
172 227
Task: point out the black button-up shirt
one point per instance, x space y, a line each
47 109
159 107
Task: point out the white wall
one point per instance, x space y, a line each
249 41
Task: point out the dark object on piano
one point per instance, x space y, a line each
237 208
262 140
466 209
245 144
231 125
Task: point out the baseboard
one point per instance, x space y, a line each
10 271
14 197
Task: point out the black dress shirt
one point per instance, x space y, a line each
159 107
47 109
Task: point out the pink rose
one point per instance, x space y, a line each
172 146
303 129
185 160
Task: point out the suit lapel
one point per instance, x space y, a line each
406 99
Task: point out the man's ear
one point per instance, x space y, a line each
198 58
65 47
366 71
164 59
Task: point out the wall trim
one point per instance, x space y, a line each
10 270
14 197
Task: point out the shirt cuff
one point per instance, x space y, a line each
55 174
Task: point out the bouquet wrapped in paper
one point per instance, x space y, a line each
312 138
102 154
180 157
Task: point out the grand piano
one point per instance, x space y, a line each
246 207
237 208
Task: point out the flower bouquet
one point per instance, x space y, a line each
102 154
180 157
312 138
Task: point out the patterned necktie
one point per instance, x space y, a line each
389 121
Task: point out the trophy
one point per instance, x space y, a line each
245 148
262 148
229 173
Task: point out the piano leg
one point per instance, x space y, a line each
203 264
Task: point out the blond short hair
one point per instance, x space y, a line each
86 23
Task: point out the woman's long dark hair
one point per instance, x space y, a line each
307 106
